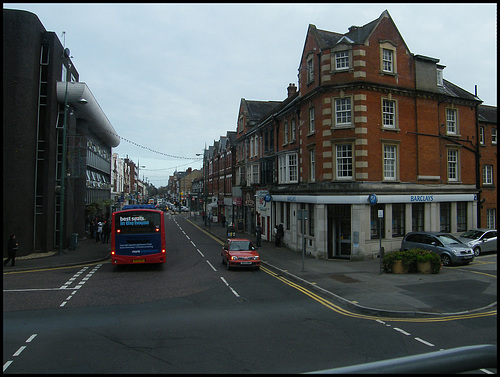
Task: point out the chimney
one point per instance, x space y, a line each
292 89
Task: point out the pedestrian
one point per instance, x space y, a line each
231 231
223 220
275 234
280 234
92 228
12 247
98 233
258 232
106 231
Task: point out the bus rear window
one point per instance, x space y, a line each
139 222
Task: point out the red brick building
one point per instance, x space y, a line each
373 144
488 166
218 172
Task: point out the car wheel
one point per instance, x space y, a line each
227 265
222 260
445 260
477 251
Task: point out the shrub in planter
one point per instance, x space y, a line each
428 256
410 258
405 256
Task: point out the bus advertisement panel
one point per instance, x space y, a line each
138 236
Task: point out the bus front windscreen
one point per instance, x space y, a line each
139 222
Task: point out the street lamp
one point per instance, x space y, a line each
205 179
138 179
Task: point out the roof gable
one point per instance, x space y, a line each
355 35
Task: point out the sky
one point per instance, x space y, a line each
170 77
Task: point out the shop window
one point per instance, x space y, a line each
377 227
445 217
417 217
398 219
461 216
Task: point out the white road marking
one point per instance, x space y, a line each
232 290
424 342
6 365
210 264
401 331
18 352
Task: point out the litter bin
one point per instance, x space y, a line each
74 241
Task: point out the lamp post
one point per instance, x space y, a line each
205 195
138 179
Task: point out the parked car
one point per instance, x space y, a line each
480 240
448 247
240 252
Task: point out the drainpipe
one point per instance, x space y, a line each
478 163
416 118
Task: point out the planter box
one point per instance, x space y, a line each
424 267
399 268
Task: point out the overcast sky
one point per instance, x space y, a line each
170 77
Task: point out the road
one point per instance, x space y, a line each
191 315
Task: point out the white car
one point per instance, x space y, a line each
480 240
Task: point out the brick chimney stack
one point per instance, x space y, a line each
292 89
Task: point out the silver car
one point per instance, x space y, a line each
480 240
448 247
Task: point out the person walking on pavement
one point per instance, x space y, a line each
231 231
275 234
280 235
106 231
98 233
258 232
12 247
92 228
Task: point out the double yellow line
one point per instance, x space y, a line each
348 313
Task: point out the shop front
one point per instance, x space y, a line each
352 227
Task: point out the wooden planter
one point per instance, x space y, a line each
424 267
399 268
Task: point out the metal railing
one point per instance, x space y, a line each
455 360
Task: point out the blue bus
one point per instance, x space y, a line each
138 235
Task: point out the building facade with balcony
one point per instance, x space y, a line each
51 124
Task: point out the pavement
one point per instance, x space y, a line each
357 286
